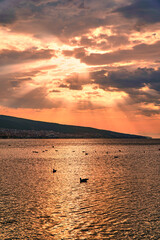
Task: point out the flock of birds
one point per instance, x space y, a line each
82 180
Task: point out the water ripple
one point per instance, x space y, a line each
119 201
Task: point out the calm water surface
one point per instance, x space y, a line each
119 201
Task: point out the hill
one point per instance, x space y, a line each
13 127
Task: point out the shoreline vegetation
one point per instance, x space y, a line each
12 127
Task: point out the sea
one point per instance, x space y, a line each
120 200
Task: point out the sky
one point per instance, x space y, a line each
82 62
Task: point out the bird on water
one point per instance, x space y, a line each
83 180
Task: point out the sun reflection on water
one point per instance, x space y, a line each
115 203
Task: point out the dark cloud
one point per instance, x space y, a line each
147 11
62 85
62 18
86 41
88 105
140 108
117 40
67 4
101 42
141 103
13 57
149 52
35 99
144 101
10 84
7 12
126 80
148 112
77 52
7 17
14 93
76 81
133 83
67 19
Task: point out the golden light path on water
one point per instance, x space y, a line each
119 201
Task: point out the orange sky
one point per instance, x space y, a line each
89 63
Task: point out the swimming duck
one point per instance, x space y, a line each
83 180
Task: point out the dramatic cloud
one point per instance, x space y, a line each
144 10
124 79
142 87
13 85
77 52
14 93
13 57
35 99
91 56
76 81
70 18
138 52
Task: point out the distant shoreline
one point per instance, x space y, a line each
119 141
80 138
13 127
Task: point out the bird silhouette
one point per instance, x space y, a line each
83 180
